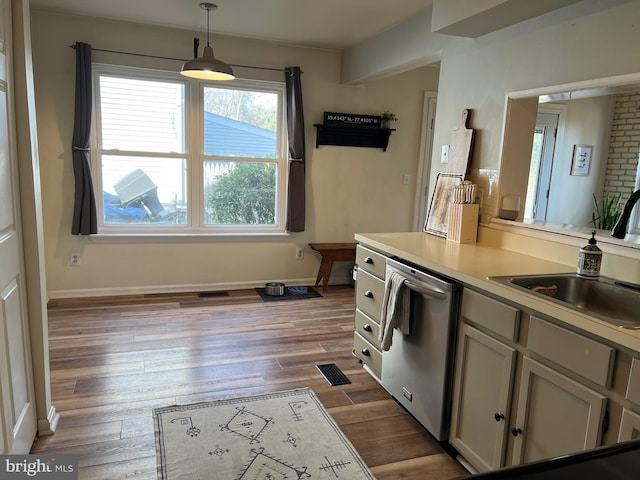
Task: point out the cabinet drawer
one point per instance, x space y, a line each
633 389
370 261
366 352
492 314
586 357
369 294
367 328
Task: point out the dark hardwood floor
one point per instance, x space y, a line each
114 359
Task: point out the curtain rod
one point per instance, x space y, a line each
177 59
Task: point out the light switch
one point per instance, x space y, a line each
444 157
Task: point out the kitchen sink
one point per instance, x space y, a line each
615 302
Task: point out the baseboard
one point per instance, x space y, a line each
149 289
47 426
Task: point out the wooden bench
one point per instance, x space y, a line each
332 252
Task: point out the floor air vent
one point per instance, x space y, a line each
213 294
333 374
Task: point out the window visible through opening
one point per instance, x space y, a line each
178 155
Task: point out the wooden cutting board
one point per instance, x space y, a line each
461 145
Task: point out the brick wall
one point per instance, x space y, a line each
622 163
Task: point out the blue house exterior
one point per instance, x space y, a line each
227 137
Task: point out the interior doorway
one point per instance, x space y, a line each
429 105
542 154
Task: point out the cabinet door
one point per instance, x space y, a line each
630 426
556 415
483 375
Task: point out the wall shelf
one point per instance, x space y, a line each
353 136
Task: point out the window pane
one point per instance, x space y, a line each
142 115
240 193
240 123
142 190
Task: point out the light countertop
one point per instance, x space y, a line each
473 263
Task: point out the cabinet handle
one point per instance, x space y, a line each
366 352
367 328
368 294
516 431
368 260
498 417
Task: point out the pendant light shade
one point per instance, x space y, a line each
207 67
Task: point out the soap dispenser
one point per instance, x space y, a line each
590 259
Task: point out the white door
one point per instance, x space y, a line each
544 143
424 166
17 406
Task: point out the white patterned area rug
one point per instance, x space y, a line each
285 435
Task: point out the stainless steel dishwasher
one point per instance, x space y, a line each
418 368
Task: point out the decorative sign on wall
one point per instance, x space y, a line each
334 118
581 161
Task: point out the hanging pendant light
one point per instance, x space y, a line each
207 67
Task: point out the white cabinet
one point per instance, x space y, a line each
520 386
555 415
369 297
630 423
630 426
483 372
633 387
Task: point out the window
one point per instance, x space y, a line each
174 155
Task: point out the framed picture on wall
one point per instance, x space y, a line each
581 161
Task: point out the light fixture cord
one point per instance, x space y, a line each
208 16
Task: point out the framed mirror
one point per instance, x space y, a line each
590 156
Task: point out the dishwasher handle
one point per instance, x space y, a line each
425 290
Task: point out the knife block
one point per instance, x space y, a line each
463 222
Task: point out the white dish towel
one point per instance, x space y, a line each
395 307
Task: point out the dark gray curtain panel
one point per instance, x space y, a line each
84 207
295 126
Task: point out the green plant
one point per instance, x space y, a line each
389 116
245 195
608 213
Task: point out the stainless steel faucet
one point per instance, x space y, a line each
620 230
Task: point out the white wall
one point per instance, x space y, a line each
587 122
399 49
348 189
587 40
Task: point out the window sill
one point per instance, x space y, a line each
570 234
184 237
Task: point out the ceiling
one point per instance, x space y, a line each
326 24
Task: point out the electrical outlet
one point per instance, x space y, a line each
74 260
406 179
299 254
